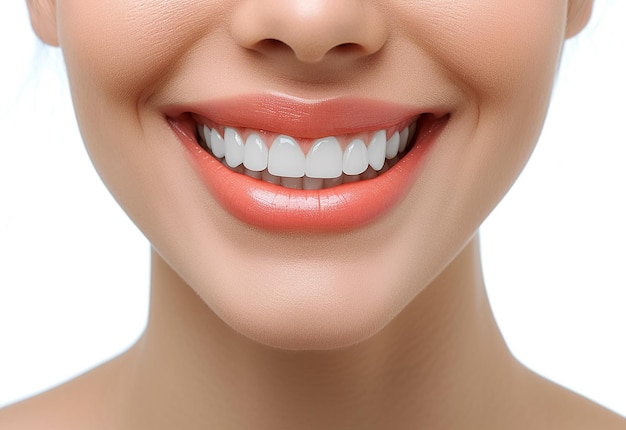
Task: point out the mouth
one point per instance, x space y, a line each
306 163
284 165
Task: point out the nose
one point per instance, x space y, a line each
311 30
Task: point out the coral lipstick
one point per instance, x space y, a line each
302 118
276 208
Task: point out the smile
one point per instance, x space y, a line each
329 161
353 162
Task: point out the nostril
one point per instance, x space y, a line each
276 46
270 45
348 48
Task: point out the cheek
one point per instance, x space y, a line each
492 47
510 66
117 53
504 55
123 46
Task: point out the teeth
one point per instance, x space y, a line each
355 158
206 132
234 147
376 150
295 183
324 159
217 144
404 138
268 177
370 173
252 173
351 178
285 158
392 146
255 153
309 183
326 164
238 169
410 133
333 182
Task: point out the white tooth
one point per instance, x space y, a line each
294 183
238 169
404 139
234 147
355 158
376 150
325 159
268 177
393 146
206 132
312 183
285 158
217 144
255 153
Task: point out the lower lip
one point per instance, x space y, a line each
279 209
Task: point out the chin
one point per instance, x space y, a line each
305 307
309 326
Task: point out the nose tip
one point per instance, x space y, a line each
310 29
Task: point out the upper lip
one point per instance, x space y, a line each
302 118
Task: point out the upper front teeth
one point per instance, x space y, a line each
355 158
285 158
324 160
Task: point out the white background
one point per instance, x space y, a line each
74 270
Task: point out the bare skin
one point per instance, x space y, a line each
382 326
441 363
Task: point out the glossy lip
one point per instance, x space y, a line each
276 208
303 118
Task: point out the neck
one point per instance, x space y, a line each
430 367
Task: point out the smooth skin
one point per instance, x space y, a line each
387 326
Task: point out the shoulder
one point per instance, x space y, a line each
554 407
78 404
33 414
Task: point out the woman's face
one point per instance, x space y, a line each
329 266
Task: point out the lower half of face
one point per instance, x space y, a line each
309 168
